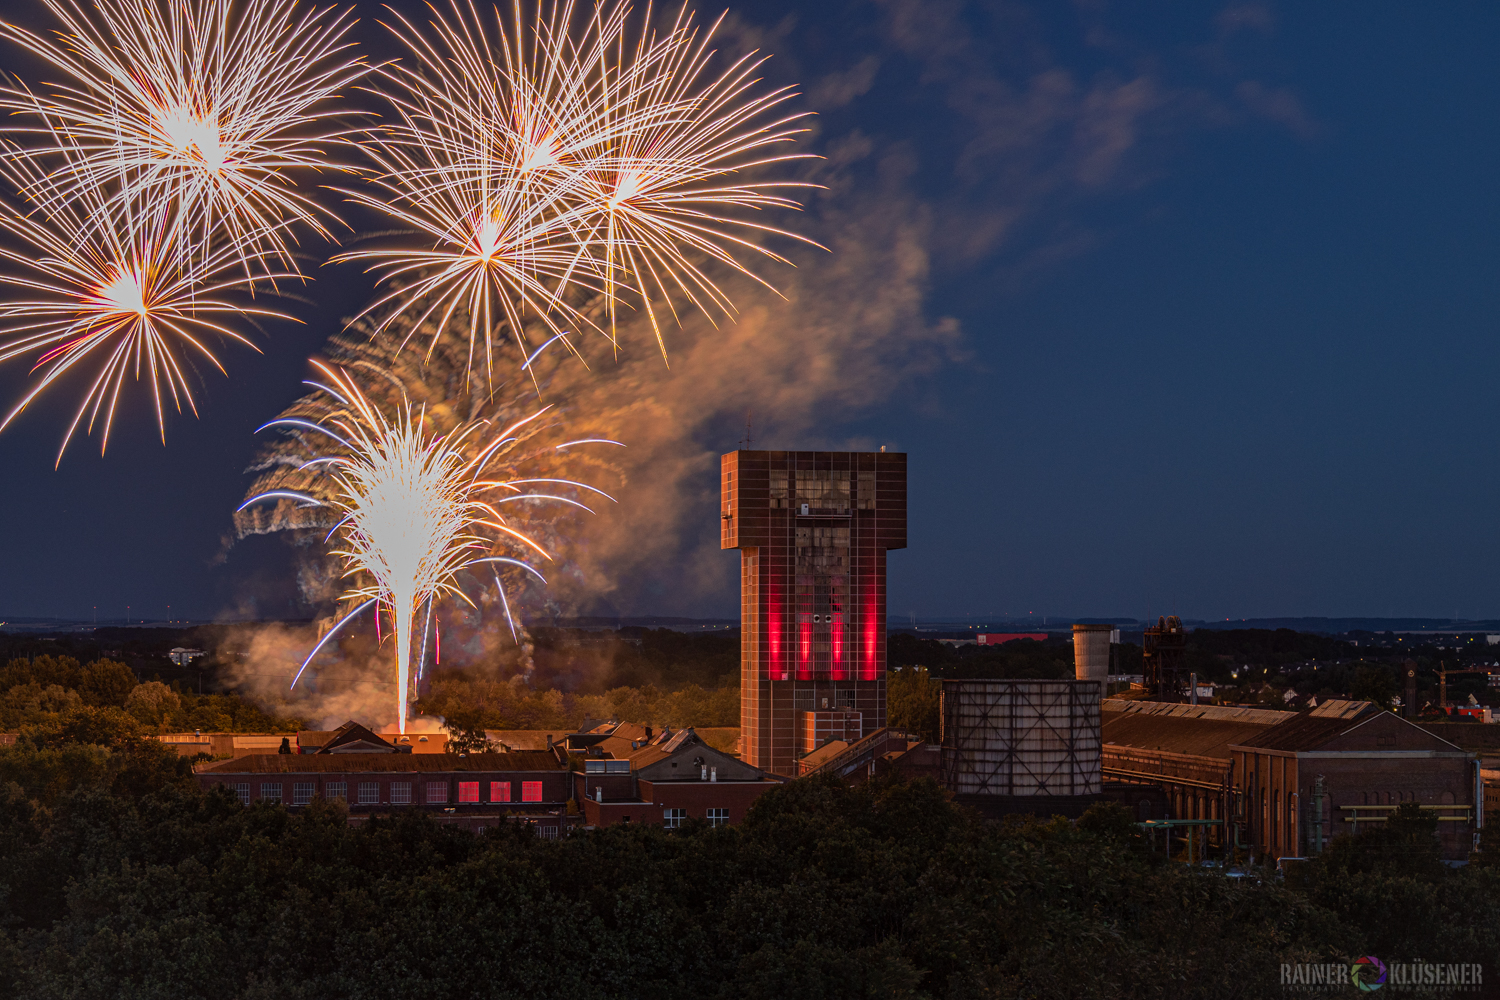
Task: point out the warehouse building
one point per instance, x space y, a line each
1303 782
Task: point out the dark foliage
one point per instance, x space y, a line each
118 877
912 698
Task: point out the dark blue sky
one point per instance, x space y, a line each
1207 310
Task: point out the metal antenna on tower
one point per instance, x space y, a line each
749 438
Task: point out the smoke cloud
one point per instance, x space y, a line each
850 323
850 326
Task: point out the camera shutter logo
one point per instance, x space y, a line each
1367 973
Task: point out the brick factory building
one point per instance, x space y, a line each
1309 779
1284 784
813 529
471 791
627 773
632 775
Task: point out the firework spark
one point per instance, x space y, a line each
501 227
572 162
101 282
412 507
659 198
208 104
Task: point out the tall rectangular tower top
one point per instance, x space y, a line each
866 486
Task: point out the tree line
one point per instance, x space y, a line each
474 701
120 877
45 689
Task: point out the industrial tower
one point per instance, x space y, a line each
813 528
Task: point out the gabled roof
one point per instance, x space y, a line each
1305 732
351 737
668 745
1308 733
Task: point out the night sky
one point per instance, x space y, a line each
1207 306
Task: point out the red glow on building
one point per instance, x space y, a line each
813 529
837 632
777 671
804 649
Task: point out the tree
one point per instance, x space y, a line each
1373 683
912 701
105 682
153 703
466 734
105 727
1404 846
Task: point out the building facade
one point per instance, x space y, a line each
1183 752
813 529
471 791
635 776
1310 779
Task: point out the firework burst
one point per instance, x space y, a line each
660 197
413 507
207 104
561 159
101 285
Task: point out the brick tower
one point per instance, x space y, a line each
813 528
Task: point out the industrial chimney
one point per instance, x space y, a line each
1091 653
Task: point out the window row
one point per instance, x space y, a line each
672 818
368 792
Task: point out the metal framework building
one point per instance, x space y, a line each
1163 652
1021 737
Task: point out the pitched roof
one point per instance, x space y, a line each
266 763
725 739
1305 732
1221 713
665 746
351 737
1178 734
526 739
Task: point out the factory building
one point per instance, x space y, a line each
628 774
1173 761
1283 784
813 529
471 791
1303 782
634 775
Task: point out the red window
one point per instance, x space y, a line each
468 791
531 791
499 791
